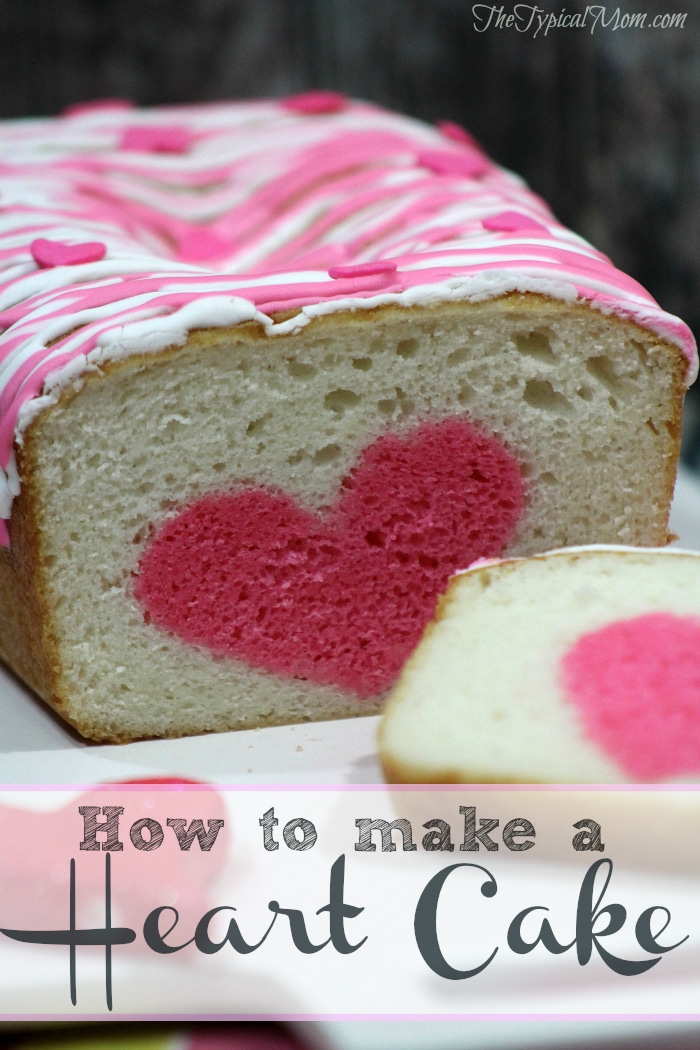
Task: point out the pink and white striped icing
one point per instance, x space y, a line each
222 213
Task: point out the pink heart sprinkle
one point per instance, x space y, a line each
55 253
98 105
447 162
636 686
513 222
457 133
160 138
202 245
367 269
312 103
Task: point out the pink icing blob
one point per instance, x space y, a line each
447 162
457 133
55 253
636 684
315 102
513 222
159 138
339 597
98 105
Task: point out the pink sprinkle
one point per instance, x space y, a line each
513 222
457 133
4 533
313 103
57 253
199 244
368 269
98 105
160 138
448 162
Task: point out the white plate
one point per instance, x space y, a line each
37 748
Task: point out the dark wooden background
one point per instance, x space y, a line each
606 125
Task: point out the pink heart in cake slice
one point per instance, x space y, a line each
636 684
338 596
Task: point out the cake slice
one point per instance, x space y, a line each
270 373
574 666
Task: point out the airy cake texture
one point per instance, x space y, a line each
234 501
575 666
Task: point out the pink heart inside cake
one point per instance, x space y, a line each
636 684
338 595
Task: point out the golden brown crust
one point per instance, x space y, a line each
395 773
97 736
25 642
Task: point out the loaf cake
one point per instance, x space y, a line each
575 666
270 372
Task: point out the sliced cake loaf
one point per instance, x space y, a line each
575 666
233 501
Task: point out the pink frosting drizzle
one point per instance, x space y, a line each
230 212
367 269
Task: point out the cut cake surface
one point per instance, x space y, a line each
574 666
